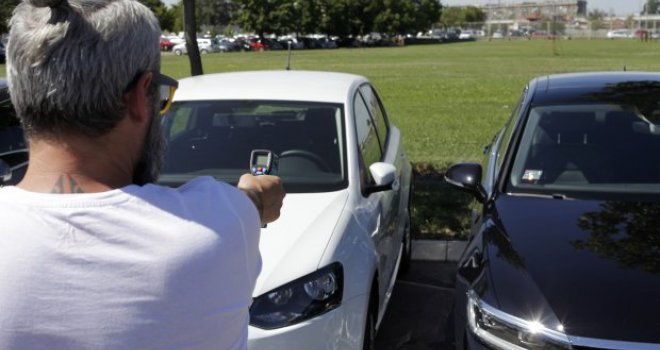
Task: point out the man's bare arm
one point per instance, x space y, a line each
266 192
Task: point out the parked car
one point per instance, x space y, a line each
166 44
619 34
256 44
13 148
467 35
642 34
205 46
226 45
272 44
295 44
3 54
331 259
564 247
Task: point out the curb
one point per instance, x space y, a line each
436 250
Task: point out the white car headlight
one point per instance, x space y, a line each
299 300
507 332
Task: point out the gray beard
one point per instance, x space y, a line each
148 168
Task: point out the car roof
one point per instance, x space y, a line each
284 85
583 87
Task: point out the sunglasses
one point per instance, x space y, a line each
166 88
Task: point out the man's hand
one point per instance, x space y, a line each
266 192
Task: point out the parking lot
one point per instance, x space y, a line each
419 311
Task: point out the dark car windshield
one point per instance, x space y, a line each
589 148
216 138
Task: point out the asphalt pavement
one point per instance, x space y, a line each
418 316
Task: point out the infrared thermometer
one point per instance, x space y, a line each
263 162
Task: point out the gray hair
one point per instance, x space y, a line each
69 64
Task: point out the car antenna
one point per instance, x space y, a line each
288 60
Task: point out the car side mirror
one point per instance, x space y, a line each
384 175
467 177
5 172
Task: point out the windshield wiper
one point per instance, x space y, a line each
541 195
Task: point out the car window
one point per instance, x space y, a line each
216 138
13 147
11 133
377 113
569 149
367 137
179 122
505 140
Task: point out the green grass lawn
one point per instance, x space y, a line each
448 100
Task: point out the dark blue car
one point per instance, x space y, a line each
564 251
13 148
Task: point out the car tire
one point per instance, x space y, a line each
178 52
369 341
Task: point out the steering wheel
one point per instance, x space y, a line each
307 155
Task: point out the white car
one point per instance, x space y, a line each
619 34
330 261
205 46
467 35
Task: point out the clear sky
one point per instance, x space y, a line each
619 7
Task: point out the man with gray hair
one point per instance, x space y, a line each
93 255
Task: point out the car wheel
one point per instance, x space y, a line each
178 52
369 342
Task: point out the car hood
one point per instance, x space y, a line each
595 265
293 246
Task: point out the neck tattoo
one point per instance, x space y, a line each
67 184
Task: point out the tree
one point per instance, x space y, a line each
177 13
346 18
452 17
269 16
164 15
6 10
473 14
427 13
597 19
397 17
215 14
406 16
652 7
305 16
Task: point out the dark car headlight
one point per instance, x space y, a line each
299 300
503 331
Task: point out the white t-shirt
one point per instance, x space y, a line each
134 268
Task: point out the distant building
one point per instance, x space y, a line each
566 11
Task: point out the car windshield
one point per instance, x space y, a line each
216 138
589 149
